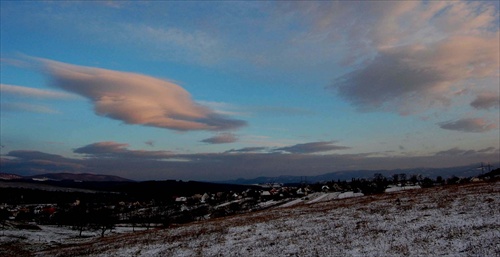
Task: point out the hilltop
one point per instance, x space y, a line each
458 220
458 171
76 177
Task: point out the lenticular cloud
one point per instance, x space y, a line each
137 99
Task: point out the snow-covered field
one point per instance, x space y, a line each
442 221
24 242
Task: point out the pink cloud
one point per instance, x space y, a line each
137 99
408 56
408 79
223 138
33 92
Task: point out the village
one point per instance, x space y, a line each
102 218
80 215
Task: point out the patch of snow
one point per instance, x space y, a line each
441 221
349 195
398 188
291 203
325 197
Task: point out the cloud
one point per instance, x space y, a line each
279 111
260 110
410 56
313 147
223 108
137 99
119 151
476 125
10 92
248 150
487 150
318 35
25 107
34 155
460 152
412 78
26 162
178 43
486 101
222 138
455 152
223 166
33 92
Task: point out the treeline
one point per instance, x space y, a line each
158 191
379 183
83 217
16 196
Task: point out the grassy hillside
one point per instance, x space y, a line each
459 220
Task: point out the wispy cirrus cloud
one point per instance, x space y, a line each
240 110
223 108
14 99
195 45
137 99
421 54
26 107
29 92
476 125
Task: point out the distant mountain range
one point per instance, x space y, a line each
80 177
461 171
7 176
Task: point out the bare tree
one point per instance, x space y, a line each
4 216
103 220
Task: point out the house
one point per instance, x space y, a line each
265 193
204 198
197 197
476 180
181 199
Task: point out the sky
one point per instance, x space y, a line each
223 90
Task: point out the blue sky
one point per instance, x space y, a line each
219 90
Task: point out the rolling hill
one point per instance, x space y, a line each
459 220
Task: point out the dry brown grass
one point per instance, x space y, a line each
366 214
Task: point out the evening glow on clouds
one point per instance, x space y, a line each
223 90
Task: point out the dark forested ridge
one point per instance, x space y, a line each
29 191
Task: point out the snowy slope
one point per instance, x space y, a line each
443 221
